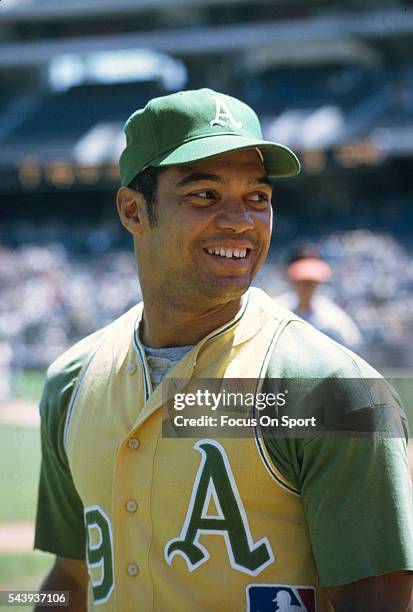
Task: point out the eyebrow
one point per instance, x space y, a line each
203 176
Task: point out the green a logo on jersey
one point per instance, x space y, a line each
215 482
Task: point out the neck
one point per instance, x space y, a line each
304 303
165 325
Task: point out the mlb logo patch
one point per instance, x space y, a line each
280 598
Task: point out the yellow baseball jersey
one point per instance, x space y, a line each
183 524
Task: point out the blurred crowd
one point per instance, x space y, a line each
372 280
51 298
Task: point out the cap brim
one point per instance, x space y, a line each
315 270
279 160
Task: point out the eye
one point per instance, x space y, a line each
259 199
204 195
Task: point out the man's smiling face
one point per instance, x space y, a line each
214 221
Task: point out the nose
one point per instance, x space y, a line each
235 216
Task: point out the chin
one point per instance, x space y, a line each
224 288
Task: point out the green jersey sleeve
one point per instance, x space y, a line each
357 500
59 520
356 490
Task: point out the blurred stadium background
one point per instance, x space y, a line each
334 80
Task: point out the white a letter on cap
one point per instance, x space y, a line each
225 112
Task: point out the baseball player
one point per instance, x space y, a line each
144 521
306 271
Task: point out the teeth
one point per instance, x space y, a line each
227 252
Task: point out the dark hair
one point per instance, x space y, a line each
304 250
146 182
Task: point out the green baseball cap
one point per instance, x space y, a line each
190 125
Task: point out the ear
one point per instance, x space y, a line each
131 209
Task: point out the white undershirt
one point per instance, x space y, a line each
162 360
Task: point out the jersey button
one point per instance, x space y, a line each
131 369
131 505
132 569
133 443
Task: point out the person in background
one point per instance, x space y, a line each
306 271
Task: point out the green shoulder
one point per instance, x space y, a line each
63 373
60 381
303 351
326 380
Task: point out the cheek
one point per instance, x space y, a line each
175 238
194 226
263 224
270 219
